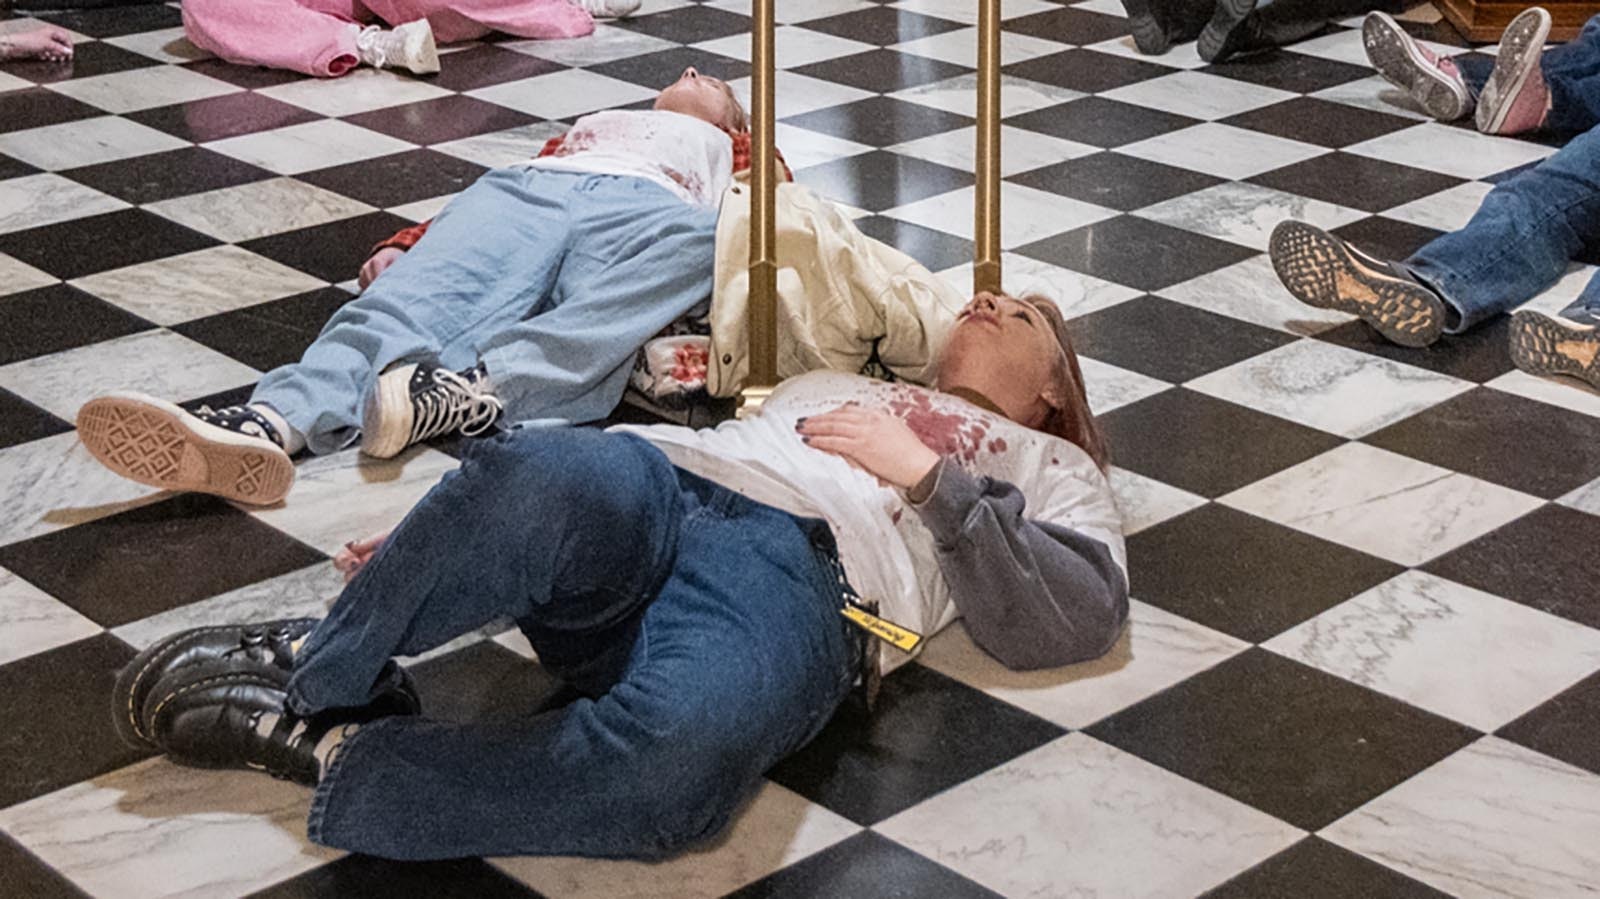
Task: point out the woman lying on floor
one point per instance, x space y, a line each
691 584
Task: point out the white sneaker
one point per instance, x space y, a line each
609 9
409 46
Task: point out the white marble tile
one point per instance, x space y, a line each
1180 56
157 830
31 621
798 94
790 13
1453 151
802 148
514 640
85 142
1560 295
362 90
1079 818
157 362
1567 393
1198 95
1375 94
194 285
1222 150
777 828
1245 213
1493 820
1105 7
306 593
1585 498
147 88
1250 291
1073 293
1346 46
167 45
1030 214
1455 651
966 12
561 95
13 83
54 483
1324 386
960 95
1110 387
608 43
1146 502
422 210
793 46
1447 210
1020 151
45 199
1157 649
258 209
1382 503
960 47
502 148
313 145
319 510
17 276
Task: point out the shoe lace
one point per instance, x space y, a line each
370 41
453 403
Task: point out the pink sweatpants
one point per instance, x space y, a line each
315 37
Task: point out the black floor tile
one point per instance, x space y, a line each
15 168
366 877
58 719
59 317
1359 182
657 70
1289 71
26 875
1480 355
1089 71
884 25
102 242
1299 744
865 866
488 65
1316 869
1320 122
249 77
22 421
1502 438
333 252
1170 341
153 558
880 121
881 180
399 178
217 118
1137 252
1069 26
88 60
1386 238
882 71
1100 122
1545 559
1243 575
37 107
162 176
934 249
1115 181
1565 726
688 24
927 734
484 682
441 119
267 335
116 21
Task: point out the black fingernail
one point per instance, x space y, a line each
799 421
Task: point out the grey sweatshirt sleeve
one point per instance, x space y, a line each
1033 594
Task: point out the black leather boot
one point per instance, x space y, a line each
1158 24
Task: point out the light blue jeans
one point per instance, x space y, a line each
553 280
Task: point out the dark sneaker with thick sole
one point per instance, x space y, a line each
418 401
1218 39
1548 345
1323 271
1150 35
232 453
1431 81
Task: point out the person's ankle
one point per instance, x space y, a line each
293 440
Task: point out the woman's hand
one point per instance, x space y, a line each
877 442
355 555
375 266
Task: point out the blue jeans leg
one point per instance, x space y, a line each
1572 72
1520 240
493 252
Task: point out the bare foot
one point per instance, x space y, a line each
47 42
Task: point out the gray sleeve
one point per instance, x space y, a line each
1033 594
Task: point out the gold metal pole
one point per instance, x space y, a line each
986 206
762 315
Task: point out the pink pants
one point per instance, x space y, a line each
315 37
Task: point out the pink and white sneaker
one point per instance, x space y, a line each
1431 80
1516 99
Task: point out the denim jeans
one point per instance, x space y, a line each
702 627
1571 71
554 280
1521 239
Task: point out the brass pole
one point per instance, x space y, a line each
762 315
986 205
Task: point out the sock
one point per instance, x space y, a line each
293 440
479 375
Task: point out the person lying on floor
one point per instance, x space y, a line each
530 296
327 38
1229 28
1519 243
1524 90
690 584
50 43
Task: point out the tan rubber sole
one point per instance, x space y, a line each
156 443
1542 345
1319 271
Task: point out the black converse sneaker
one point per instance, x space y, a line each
233 452
417 401
1323 271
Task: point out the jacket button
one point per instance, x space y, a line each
727 359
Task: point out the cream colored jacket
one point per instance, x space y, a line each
839 291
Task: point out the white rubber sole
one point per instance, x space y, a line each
1513 65
1397 58
387 416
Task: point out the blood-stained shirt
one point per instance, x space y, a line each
688 156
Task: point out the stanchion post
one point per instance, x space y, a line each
986 206
762 315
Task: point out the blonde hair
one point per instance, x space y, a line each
738 119
1073 420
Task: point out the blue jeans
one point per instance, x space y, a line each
1571 72
704 629
553 280
1521 239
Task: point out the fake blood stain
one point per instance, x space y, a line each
946 433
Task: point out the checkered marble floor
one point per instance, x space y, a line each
1364 657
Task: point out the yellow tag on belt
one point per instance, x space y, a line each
893 634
